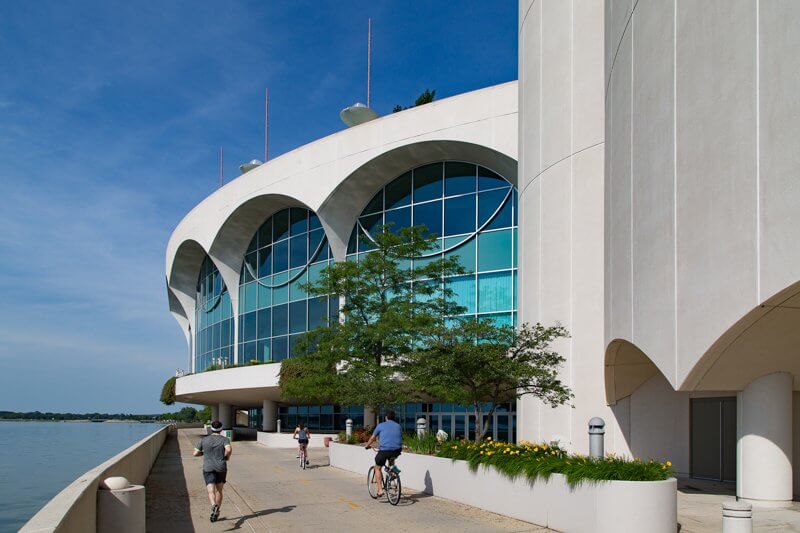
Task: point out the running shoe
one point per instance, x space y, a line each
214 513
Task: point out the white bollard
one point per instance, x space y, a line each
348 427
120 507
278 425
737 517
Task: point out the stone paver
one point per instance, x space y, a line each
700 509
268 492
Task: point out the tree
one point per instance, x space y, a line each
482 364
426 97
168 391
386 310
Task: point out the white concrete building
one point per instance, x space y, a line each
648 157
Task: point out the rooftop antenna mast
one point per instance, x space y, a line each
221 166
359 113
266 125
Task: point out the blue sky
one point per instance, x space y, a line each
111 118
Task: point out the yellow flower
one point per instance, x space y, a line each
552 453
668 463
481 452
488 438
535 449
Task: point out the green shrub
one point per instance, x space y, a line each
541 460
426 444
168 391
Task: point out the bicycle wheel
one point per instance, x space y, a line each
372 483
393 489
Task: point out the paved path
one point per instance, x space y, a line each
268 492
700 509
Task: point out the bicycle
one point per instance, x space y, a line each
392 487
303 456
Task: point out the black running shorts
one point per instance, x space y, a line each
213 478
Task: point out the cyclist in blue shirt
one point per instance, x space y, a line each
390 434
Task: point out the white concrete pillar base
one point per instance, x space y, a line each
269 415
764 441
767 504
225 415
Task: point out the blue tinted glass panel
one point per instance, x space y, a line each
264 234
317 312
398 218
398 192
250 297
352 244
489 203
315 272
280 256
249 327
263 349
314 240
463 288
459 215
428 182
429 215
298 251
264 323
313 221
280 225
364 243
459 178
504 217
280 324
296 290
264 294
250 351
297 317
495 292
494 250
265 262
372 223
376 204
299 220
501 319
489 180
279 348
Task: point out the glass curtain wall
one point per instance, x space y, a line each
289 250
473 213
213 343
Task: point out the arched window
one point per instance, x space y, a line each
473 212
289 250
213 319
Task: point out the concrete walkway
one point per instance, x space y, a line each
700 509
268 492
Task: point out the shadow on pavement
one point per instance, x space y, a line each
167 497
242 519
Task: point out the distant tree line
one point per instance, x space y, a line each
187 414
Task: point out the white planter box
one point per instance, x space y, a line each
606 506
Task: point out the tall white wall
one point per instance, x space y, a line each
702 131
561 161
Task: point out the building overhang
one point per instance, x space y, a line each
244 387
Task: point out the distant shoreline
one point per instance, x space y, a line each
111 421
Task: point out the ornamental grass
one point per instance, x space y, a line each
541 460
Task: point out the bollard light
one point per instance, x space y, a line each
597 431
422 427
278 425
348 427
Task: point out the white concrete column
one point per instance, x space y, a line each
214 412
269 415
764 441
225 412
369 417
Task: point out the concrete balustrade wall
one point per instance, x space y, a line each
74 509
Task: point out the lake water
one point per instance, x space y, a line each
39 459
